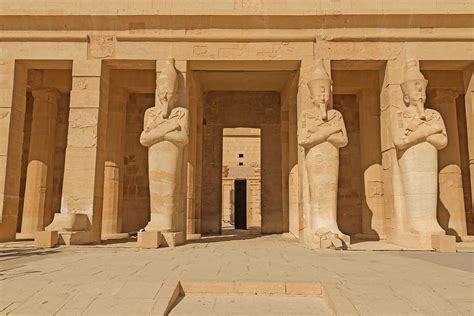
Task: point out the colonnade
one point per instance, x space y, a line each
93 178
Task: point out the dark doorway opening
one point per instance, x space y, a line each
240 198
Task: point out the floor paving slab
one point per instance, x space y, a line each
128 281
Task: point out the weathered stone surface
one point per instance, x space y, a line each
149 239
443 243
46 239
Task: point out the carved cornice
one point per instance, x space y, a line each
83 38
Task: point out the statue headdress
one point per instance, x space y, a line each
318 77
412 76
168 78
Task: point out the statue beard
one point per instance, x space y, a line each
323 109
420 107
165 108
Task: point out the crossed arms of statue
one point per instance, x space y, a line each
173 129
312 132
409 131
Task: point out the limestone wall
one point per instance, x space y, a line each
136 194
261 43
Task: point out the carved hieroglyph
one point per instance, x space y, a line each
418 134
165 134
321 131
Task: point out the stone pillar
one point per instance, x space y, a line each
195 157
186 167
451 209
114 166
469 104
371 158
13 78
271 171
394 207
40 170
80 220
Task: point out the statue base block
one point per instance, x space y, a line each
443 243
424 241
172 239
46 239
149 239
77 238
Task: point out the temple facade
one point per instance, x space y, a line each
329 120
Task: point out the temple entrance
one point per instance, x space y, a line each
252 100
240 196
241 170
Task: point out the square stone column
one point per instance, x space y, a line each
394 207
451 209
469 104
371 157
12 116
80 219
114 166
40 170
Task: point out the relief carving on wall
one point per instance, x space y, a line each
101 46
82 129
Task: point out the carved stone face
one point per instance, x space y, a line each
415 95
167 100
320 95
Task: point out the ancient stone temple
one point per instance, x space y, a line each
171 120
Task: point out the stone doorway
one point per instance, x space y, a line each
252 95
240 196
241 161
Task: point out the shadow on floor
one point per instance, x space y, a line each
119 241
459 261
228 235
10 254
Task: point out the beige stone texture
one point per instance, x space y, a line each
121 279
443 243
166 134
38 197
321 132
149 239
112 208
239 64
83 176
46 239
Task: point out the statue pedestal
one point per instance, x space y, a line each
46 239
74 229
149 239
173 239
441 243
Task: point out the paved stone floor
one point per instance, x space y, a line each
121 280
